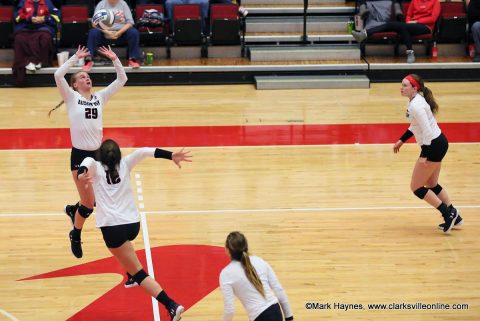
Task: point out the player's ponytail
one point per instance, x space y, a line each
427 93
73 78
109 154
50 112
237 246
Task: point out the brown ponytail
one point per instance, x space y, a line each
237 245
110 155
73 78
427 94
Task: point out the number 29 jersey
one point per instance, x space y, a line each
86 115
86 121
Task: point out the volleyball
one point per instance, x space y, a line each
103 19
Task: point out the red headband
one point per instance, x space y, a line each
413 81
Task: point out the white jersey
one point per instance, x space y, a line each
115 200
233 281
422 122
86 116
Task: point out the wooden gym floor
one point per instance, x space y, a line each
309 176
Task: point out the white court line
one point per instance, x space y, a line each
8 315
260 210
146 242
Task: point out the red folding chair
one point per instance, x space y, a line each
453 23
187 23
74 25
224 24
6 26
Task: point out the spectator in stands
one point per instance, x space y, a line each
420 19
204 5
35 26
122 32
473 10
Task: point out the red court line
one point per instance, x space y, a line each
257 135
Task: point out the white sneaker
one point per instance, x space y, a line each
38 66
30 67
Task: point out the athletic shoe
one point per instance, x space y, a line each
175 312
130 283
133 63
449 218
76 246
359 36
458 222
70 211
410 56
31 67
88 65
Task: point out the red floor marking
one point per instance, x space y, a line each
187 273
263 135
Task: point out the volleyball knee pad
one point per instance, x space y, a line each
437 189
140 276
421 192
84 211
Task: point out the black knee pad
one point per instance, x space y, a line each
437 189
140 276
421 192
84 211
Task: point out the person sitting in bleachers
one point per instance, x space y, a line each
122 32
420 19
35 26
473 10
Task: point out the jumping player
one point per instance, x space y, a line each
117 214
424 184
85 113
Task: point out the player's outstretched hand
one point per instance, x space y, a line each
181 156
107 52
82 52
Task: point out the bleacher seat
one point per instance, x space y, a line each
6 26
75 25
224 24
187 24
453 23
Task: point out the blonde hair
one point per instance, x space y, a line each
237 245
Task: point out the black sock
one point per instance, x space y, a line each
76 233
443 208
163 298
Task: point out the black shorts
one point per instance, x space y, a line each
78 155
437 149
115 236
272 313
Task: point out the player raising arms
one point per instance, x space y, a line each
85 114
